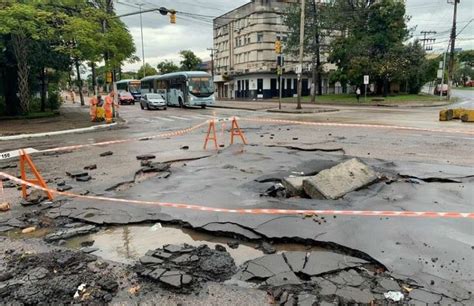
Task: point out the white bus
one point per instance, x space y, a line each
186 88
132 86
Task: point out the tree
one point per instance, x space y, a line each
317 27
190 61
371 39
167 66
149 70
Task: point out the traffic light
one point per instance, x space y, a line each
278 46
172 16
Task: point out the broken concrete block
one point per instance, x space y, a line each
294 185
309 187
339 180
446 115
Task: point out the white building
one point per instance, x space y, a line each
245 58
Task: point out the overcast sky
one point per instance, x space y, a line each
163 40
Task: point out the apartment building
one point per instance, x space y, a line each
245 59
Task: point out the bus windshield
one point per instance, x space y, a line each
134 87
201 86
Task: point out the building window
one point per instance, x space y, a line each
259 37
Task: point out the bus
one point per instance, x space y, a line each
185 88
132 86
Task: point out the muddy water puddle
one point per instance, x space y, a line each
127 244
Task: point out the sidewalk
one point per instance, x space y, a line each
272 106
72 116
290 107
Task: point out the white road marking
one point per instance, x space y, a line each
164 119
180 118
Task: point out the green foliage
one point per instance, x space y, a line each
167 66
149 70
54 97
55 33
190 61
466 57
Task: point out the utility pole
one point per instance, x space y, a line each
427 41
143 48
316 77
453 43
300 68
212 61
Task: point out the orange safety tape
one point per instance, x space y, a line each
258 211
335 124
162 135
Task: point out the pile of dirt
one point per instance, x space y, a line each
54 278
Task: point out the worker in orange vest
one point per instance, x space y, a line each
109 107
93 108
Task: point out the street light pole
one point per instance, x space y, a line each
300 74
143 48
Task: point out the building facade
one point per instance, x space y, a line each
245 60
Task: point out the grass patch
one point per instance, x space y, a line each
371 100
464 88
33 115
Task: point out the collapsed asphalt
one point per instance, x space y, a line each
418 252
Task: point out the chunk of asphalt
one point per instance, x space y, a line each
267 248
173 278
324 262
264 267
89 250
156 274
35 197
70 232
294 185
146 157
162 254
64 188
75 174
83 178
90 167
150 260
233 244
285 278
339 180
108 153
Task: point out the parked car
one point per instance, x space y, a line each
469 83
439 88
152 101
124 97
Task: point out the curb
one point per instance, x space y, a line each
236 107
63 132
315 111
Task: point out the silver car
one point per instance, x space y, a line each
152 101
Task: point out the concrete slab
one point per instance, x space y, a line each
336 182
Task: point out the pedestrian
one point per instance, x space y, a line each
358 94
93 108
100 114
109 107
73 96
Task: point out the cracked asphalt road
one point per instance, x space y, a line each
406 247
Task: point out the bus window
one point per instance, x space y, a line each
201 86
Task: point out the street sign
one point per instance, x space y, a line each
440 73
299 69
366 80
